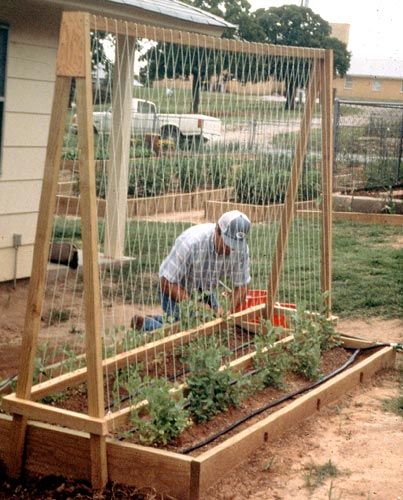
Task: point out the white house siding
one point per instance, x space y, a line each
31 55
32 46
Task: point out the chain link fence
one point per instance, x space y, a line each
368 143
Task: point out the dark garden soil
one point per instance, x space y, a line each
196 433
59 488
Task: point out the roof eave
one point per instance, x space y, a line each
137 15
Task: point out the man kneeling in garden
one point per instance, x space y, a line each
202 256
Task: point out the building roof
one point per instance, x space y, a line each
385 68
179 10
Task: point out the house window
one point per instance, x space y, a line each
348 82
376 85
3 59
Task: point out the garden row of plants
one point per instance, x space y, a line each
260 181
210 390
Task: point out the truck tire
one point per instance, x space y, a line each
171 134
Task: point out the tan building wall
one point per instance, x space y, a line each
362 87
341 31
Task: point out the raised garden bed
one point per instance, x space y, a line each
49 447
260 213
137 207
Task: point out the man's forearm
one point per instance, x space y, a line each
173 290
238 295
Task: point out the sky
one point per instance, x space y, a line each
376 26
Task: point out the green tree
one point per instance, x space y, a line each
301 27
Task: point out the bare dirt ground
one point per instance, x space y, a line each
362 441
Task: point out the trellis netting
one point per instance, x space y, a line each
185 128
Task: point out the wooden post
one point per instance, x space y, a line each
39 264
327 176
287 212
92 302
119 148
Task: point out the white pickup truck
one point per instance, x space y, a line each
178 127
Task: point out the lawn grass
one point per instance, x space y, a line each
367 268
218 104
367 271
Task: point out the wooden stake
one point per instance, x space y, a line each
287 212
40 260
327 170
92 299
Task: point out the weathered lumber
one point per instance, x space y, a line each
115 26
287 213
53 415
326 75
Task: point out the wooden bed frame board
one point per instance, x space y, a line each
49 449
120 360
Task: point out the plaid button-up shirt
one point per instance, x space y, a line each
194 264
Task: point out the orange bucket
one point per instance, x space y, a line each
256 297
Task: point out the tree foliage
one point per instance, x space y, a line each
301 27
286 25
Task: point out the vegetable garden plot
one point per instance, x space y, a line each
178 133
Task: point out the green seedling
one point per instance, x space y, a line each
316 475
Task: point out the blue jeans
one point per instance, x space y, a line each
172 310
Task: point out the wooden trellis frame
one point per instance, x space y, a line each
74 61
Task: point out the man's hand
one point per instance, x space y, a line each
238 295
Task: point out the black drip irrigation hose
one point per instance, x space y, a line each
277 402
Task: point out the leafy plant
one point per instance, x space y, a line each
329 337
271 360
316 474
58 316
166 417
194 312
305 348
393 405
265 181
209 389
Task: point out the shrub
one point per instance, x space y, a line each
150 176
259 185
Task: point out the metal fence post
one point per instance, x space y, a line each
336 123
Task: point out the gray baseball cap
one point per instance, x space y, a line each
234 226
